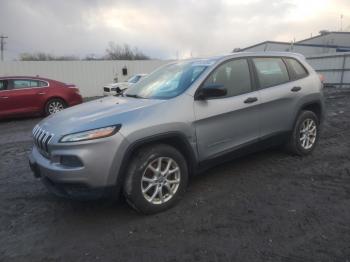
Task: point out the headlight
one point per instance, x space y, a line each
91 134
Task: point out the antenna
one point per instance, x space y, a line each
341 22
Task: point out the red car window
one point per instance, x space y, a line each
3 85
26 83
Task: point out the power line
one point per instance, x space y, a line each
2 46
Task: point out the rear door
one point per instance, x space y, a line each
23 96
279 95
226 123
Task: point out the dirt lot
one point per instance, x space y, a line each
264 207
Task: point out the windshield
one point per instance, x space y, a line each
168 81
134 79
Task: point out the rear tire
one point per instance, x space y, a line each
305 134
156 179
54 105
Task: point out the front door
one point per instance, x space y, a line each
227 123
5 106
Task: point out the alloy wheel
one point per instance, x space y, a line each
55 106
308 133
160 180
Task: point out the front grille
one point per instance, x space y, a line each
106 89
42 139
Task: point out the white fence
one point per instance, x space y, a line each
89 76
334 67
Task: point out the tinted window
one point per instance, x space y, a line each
23 83
42 83
234 76
298 70
3 85
271 71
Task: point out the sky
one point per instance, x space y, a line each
162 29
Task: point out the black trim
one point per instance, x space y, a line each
310 103
253 75
245 149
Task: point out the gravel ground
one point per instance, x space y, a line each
268 206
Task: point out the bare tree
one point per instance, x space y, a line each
113 52
124 52
40 56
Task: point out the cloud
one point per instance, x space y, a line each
161 28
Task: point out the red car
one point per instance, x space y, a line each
23 96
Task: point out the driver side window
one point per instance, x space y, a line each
234 76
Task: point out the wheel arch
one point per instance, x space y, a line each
56 97
313 106
174 139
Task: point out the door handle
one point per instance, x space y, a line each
296 89
250 100
4 97
41 93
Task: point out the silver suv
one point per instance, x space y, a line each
177 121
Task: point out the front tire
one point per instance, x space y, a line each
305 134
156 179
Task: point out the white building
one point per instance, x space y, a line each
325 43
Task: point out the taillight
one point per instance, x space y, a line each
322 78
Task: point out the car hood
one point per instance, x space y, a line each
95 114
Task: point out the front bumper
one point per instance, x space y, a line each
100 163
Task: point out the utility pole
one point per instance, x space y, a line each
341 22
2 46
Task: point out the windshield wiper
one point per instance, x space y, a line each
134 96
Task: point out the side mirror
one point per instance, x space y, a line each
211 90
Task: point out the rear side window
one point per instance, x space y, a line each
24 83
297 69
271 71
234 76
20 84
42 84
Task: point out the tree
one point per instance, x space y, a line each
40 56
125 52
113 52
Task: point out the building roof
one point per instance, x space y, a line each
322 35
294 44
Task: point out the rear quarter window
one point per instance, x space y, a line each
297 69
42 84
271 71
